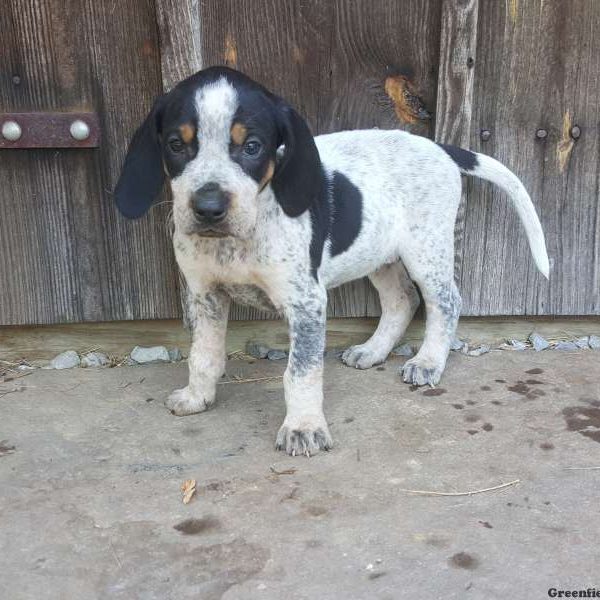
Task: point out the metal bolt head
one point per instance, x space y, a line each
541 134
11 131
485 135
575 132
79 130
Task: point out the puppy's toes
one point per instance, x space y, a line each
420 372
182 402
305 437
362 357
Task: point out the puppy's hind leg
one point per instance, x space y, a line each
434 274
399 301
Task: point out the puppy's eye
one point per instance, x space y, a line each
252 147
176 145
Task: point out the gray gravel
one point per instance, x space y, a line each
65 360
154 354
538 342
94 359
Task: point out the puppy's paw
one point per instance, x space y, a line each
420 371
182 402
363 356
306 435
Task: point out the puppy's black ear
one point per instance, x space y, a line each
142 175
298 177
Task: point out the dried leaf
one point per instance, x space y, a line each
189 489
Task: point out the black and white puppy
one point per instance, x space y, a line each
266 214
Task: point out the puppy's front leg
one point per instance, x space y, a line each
304 430
207 311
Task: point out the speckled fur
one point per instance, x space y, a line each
410 190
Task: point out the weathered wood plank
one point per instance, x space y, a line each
458 46
537 68
66 255
118 338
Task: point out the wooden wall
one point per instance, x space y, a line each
508 67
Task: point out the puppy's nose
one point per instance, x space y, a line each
210 203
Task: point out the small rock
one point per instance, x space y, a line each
582 342
457 344
517 345
65 360
257 350
175 354
26 368
538 342
594 342
94 359
404 350
143 355
479 350
276 354
566 346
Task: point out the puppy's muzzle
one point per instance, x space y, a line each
210 204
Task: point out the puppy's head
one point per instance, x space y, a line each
215 138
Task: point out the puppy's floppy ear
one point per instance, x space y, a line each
298 177
142 175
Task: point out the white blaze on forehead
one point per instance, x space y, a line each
216 104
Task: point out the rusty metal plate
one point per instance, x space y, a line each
49 130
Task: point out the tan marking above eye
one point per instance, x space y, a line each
238 134
267 176
187 131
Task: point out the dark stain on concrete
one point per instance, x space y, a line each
458 406
534 382
500 380
584 420
523 389
497 402
376 574
536 371
487 427
316 511
149 399
348 419
471 402
485 388
472 431
5 448
486 524
472 418
380 369
434 392
197 526
191 431
547 446
463 560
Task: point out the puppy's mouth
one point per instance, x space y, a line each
211 233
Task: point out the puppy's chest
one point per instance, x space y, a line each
249 295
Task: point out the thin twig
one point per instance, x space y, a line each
251 380
581 468
284 472
490 489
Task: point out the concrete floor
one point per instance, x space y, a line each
90 501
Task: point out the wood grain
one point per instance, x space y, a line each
66 255
536 67
457 62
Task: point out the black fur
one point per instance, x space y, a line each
297 180
142 176
465 159
337 217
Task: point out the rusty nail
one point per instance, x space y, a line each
485 135
575 132
541 134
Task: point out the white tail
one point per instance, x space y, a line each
494 171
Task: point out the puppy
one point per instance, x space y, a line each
267 215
